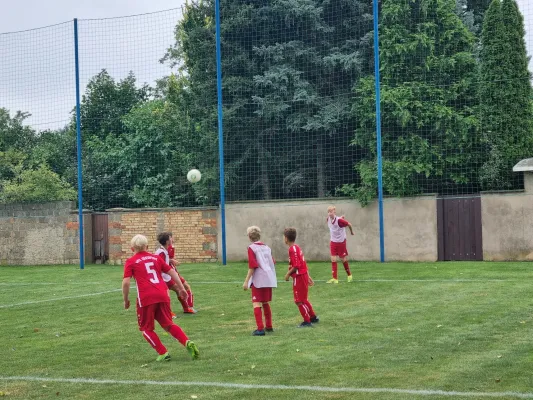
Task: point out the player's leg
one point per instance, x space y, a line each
258 295
163 317
300 289
145 318
183 302
190 297
344 257
311 311
268 316
333 252
260 331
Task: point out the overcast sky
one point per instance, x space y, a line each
37 65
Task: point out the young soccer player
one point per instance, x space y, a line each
164 240
175 263
338 243
261 278
153 302
301 279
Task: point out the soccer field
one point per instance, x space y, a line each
399 331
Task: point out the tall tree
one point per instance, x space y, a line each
288 68
428 123
505 95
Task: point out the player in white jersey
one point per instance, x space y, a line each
337 230
261 278
164 240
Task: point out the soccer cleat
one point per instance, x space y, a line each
190 310
173 315
269 329
258 332
163 357
333 280
192 349
350 278
305 325
315 320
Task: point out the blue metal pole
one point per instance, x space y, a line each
220 134
378 133
78 144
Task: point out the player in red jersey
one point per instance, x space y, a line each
175 263
153 302
165 241
261 278
337 244
301 279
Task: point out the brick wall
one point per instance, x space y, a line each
194 230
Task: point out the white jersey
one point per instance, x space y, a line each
265 274
158 252
337 233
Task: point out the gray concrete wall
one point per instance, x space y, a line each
410 228
43 233
507 226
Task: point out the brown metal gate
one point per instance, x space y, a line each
100 238
459 229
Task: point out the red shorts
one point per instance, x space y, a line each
261 295
300 287
338 249
159 312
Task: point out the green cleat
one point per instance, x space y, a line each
192 349
350 278
163 357
333 280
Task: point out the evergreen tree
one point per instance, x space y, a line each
505 95
428 121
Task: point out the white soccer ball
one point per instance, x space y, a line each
194 176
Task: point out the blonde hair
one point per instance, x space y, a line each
139 243
331 208
254 233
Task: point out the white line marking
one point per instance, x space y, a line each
58 299
517 395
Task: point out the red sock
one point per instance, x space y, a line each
190 299
310 309
152 338
268 315
178 334
346 268
259 318
184 304
304 312
334 270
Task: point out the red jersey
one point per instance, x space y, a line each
171 251
297 260
146 269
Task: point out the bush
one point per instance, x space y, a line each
39 185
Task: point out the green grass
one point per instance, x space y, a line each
465 327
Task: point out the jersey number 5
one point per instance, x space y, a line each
152 272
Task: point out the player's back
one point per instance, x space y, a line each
297 260
146 269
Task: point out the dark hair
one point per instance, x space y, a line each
163 238
290 234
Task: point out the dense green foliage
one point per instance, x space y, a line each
505 95
299 108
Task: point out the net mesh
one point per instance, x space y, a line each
298 98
